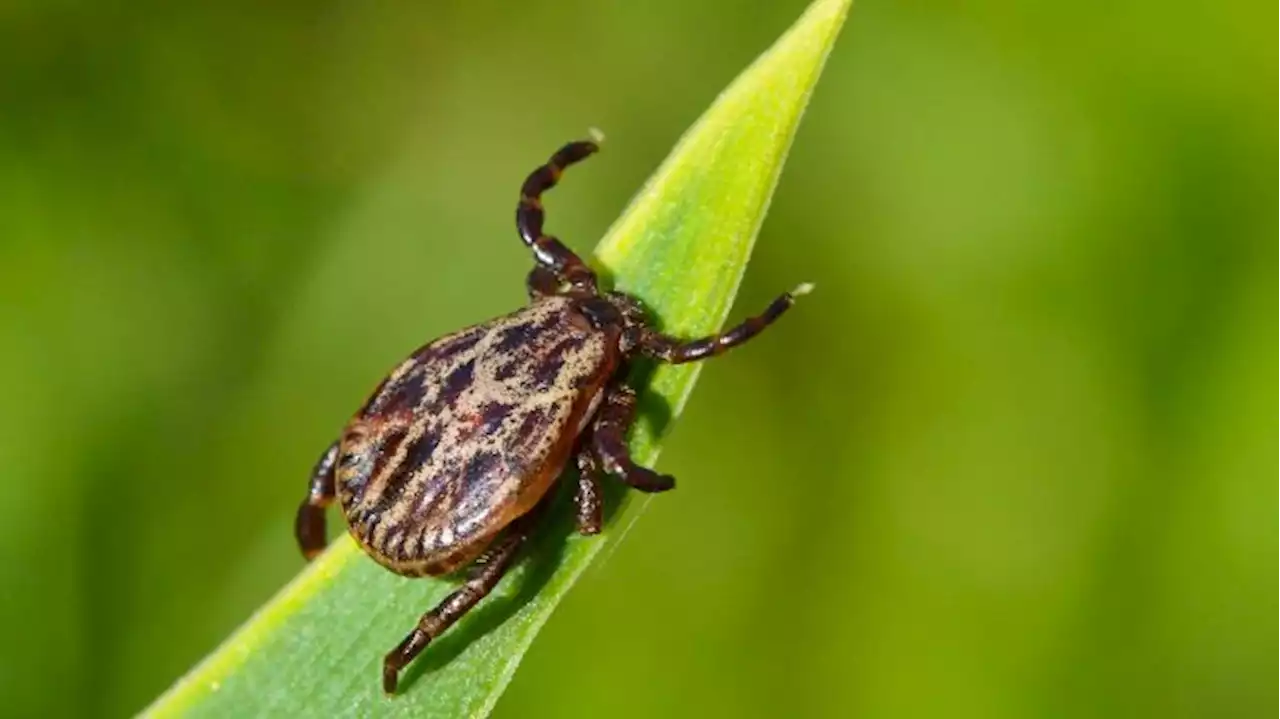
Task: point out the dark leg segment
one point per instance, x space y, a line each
485 574
609 439
675 351
547 250
589 499
308 526
542 282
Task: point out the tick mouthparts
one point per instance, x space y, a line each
802 289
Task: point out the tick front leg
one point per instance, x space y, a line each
676 351
484 577
609 439
588 499
542 282
308 526
548 251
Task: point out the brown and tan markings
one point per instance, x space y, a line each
446 462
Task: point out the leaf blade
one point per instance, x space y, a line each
682 246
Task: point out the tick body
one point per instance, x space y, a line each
449 461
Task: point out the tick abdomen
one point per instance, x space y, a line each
468 433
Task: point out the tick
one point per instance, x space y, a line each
448 461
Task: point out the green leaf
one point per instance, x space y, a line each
682 246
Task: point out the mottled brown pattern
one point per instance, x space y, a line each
449 449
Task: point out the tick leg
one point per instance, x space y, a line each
675 351
308 526
542 282
548 251
588 499
609 439
484 576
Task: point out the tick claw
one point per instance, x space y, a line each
650 482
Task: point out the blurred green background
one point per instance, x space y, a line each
1013 459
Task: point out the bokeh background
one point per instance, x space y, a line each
1013 459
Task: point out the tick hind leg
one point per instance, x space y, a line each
484 575
609 440
675 351
308 526
548 251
